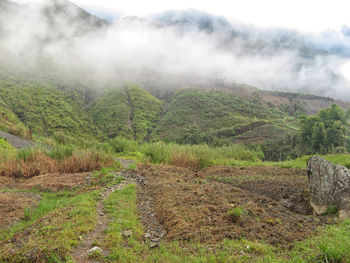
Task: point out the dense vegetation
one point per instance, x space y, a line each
79 116
9 122
326 132
130 112
43 108
195 116
190 156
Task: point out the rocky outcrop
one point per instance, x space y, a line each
329 186
19 143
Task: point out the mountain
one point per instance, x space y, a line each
62 11
85 98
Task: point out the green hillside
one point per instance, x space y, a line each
130 112
9 122
196 116
43 108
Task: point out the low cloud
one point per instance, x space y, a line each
103 55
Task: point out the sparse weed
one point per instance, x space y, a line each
235 213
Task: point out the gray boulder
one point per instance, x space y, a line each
329 186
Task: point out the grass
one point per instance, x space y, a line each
195 116
191 156
31 162
127 111
235 213
6 150
299 163
52 229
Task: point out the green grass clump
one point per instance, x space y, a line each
6 150
330 244
235 213
123 145
61 152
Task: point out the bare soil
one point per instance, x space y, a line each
195 206
12 206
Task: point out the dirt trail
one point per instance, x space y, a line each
154 231
93 238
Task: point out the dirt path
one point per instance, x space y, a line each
126 162
153 230
94 237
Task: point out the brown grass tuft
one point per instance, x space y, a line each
185 160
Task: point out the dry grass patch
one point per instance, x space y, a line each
55 181
191 206
37 163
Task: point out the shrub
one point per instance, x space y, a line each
122 145
157 152
61 152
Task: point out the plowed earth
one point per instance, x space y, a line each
195 206
55 181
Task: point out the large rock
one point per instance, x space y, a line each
329 186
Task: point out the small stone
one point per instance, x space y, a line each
94 250
153 244
127 233
147 235
101 214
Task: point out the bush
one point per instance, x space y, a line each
61 152
122 145
157 152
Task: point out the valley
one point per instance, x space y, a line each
177 137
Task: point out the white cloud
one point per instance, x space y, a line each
304 15
128 48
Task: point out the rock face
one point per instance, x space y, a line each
329 186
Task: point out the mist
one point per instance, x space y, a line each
57 38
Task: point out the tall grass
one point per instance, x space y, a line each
191 156
64 159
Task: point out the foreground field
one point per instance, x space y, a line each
167 214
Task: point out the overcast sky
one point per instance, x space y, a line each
303 15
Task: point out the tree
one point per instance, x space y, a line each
326 132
